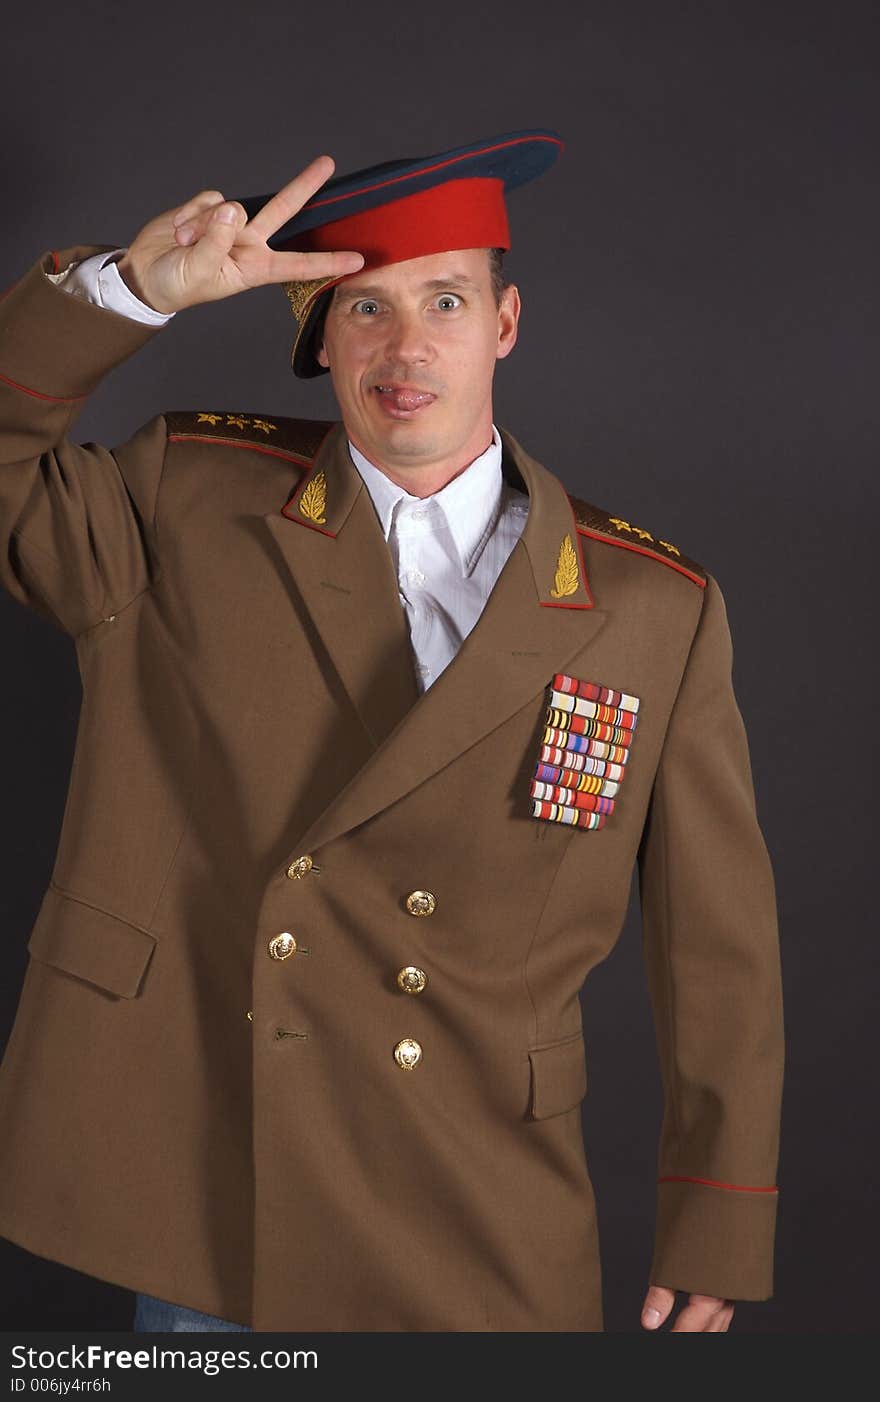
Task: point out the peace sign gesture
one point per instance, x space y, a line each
207 248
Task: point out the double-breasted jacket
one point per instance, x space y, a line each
300 1041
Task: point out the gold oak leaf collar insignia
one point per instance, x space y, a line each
313 501
567 575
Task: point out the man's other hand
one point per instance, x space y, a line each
207 248
703 1314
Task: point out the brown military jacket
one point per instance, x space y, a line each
300 1042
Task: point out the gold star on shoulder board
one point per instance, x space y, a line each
209 419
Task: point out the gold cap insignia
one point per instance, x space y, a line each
300 294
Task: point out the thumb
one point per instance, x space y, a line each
209 252
658 1302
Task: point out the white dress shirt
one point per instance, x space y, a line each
448 548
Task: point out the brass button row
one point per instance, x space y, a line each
408 1052
283 945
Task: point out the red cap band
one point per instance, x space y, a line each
455 214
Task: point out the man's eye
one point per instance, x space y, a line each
367 305
449 298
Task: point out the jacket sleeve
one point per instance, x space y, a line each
77 521
712 957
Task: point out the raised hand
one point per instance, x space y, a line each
207 248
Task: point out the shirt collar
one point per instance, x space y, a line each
470 503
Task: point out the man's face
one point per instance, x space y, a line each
411 350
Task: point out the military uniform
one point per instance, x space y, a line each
300 1040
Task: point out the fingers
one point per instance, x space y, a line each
203 200
704 1314
291 198
658 1302
193 228
210 251
302 267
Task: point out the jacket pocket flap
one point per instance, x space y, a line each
559 1076
84 941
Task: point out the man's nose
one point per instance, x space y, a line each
408 339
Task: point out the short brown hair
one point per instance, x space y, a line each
496 272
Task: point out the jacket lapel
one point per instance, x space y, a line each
343 571
539 614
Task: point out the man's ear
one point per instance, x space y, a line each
508 320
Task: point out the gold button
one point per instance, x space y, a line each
408 1053
411 979
421 903
282 945
249 1015
300 867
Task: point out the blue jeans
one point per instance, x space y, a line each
152 1316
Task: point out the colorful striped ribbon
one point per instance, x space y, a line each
574 687
582 744
588 764
616 715
576 779
553 793
588 731
561 813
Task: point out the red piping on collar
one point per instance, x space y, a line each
310 525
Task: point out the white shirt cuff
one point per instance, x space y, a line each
97 280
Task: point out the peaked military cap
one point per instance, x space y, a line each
405 209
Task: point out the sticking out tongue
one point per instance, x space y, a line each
406 398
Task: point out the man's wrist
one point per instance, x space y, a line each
120 289
126 271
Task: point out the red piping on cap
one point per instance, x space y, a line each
427 170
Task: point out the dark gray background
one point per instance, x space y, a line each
698 353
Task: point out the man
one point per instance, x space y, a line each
377 720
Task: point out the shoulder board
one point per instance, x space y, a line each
298 439
593 521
